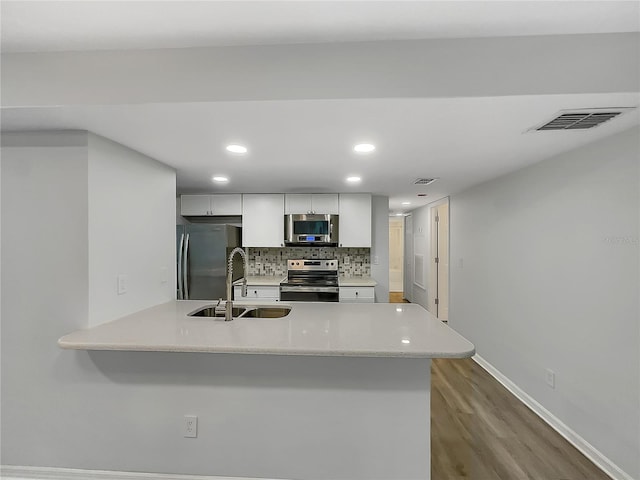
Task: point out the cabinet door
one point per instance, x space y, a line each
263 220
325 203
195 205
226 204
297 203
355 220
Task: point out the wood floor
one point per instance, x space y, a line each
396 297
480 431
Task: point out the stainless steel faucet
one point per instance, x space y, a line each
229 305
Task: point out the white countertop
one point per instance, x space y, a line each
357 282
322 329
274 280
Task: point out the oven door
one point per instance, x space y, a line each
297 293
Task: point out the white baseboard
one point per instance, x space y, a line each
588 450
9 472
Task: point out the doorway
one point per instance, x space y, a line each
396 255
438 289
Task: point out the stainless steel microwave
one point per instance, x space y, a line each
311 230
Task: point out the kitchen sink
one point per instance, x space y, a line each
266 312
210 311
247 311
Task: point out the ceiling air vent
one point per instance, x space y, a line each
424 181
581 119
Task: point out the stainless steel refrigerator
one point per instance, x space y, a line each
202 252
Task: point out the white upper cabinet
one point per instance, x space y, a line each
208 205
195 205
263 220
230 204
355 220
319 203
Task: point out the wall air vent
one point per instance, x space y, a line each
581 119
424 181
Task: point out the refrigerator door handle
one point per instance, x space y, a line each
180 291
185 264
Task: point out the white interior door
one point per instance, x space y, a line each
408 258
438 288
443 264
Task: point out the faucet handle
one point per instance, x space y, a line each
218 308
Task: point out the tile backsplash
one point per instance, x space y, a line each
352 262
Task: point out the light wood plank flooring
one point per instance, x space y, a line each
480 431
396 297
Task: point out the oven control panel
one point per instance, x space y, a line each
311 265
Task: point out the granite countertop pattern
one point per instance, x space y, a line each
321 329
274 280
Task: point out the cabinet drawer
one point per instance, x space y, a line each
357 294
253 292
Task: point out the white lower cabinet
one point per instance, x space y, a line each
357 294
264 293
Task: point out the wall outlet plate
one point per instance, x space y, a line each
550 378
190 426
122 284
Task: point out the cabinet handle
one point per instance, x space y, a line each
356 294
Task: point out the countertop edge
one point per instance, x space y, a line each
259 351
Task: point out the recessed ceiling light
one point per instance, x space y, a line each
406 203
364 148
406 341
220 179
236 149
353 179
399 214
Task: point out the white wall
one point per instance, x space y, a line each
380 246
132 204
544 274
44 290
326 70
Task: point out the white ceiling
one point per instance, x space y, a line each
29 26
305 145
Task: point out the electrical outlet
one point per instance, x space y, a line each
164 275
376 260
190 427
122 284
346 260
551 378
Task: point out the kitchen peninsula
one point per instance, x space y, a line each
330 390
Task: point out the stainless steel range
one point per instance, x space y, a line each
310 281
